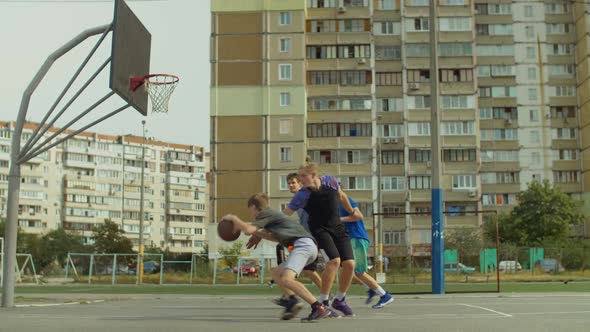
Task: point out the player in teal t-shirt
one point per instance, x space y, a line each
359 239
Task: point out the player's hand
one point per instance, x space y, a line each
253 242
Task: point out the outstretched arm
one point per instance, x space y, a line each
358 215
249 229
343 199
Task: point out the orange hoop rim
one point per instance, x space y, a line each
136 82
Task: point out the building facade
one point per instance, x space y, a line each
93 177
353 79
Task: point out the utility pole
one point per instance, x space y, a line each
140 265
438 274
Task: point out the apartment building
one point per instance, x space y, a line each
511 84
94 177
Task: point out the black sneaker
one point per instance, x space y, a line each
292 310
317 314
281 301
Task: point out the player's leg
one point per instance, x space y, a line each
342 243
326 244
310 271
304 252
360 249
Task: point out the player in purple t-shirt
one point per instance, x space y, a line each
320 198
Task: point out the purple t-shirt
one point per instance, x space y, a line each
321 205
299 201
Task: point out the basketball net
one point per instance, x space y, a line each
160 88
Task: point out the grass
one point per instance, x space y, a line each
507 287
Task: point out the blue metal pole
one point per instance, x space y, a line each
438 243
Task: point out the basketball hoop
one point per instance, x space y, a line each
159 88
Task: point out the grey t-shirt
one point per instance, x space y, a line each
284 228
304 219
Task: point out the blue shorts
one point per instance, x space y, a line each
360 249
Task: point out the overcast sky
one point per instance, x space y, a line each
32 29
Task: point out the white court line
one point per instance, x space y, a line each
37 305
486 309
551 313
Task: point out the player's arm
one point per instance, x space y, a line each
288 211
358 215
343 199
249 229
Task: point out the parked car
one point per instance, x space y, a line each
513 266
249 268
458 268
550 265
148 267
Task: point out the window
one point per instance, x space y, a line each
283 183
566 176
499 134
455 49
533 94
568 154
285 45
393 209
459 155
285 99
393 183
458 128
559 28
356 182
418 102
420 2
499 155
532 73
386 28
562 70
529 31
417 50
557 8
354 3
495 50
322 26
455 24
351 25
285 126
565 133
457 102
394 238
354 51
286 154
560 49
419 75
564 91
494 29
464 182
534 136
534 115
528 11
392 157
387 52
419 129
530 52
498 199
354 157
284 18
456 75
387 4
390 104
419 182
417 24
284 72
334 103
453 2
562 112
388 79
392 130
420 156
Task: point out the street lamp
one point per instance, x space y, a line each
140 267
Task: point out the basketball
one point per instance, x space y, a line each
225 229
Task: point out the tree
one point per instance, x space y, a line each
231 255
55 246
543 213
467 242
108 238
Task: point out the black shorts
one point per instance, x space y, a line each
280 254
334 243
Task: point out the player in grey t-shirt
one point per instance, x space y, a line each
275 226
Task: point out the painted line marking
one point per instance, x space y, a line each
486 309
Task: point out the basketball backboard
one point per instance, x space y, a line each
130 56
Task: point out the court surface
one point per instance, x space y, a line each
461 312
